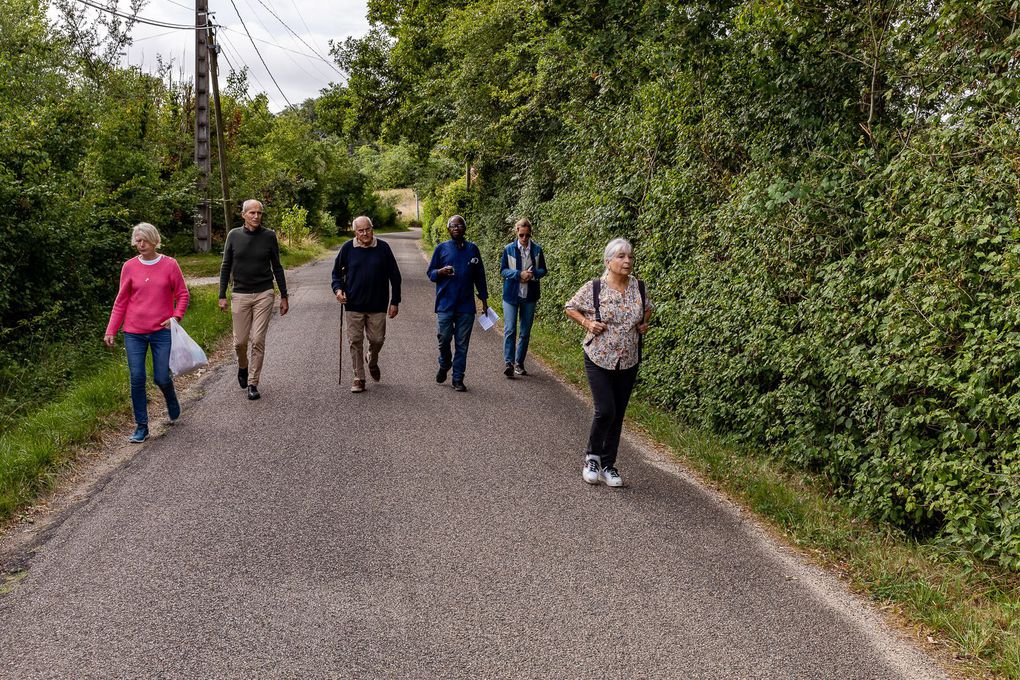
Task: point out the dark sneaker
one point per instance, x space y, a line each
242 377
590 471
509 371
611 477
519 369
358 386
441 374
373 370
140 434
459 386
253 392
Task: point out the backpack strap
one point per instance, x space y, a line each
596 290
641 338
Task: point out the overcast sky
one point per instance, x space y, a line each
300 73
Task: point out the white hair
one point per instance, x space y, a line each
147 232
613 248
354 222
244 206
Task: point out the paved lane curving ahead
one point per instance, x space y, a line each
414 532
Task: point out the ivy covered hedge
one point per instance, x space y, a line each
824 198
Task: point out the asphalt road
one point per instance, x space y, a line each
414 532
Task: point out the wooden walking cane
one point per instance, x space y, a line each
340 361
340 371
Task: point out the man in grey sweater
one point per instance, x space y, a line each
251 254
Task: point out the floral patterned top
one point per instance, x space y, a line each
616 348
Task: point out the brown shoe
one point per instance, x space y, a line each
358 386
373 370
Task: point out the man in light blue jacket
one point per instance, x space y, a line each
522 265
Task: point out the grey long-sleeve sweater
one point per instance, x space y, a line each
253 258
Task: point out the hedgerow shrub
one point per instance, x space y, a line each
824 198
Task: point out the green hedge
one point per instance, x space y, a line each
824 199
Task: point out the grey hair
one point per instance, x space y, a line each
613 248
147 232
354 222
244 206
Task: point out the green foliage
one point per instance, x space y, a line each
294 225
38 440
824 198
88 149
327 224
388 167
449 200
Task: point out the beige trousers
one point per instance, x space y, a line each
360 324
250 314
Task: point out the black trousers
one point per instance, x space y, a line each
610 390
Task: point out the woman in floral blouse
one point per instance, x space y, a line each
615 322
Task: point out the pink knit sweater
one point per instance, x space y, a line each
149 295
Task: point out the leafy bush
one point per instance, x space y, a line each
824 199
293 223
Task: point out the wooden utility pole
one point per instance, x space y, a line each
221 140
203 212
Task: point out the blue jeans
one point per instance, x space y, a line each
457 327
525 311
137 345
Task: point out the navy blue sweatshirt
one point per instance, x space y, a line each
371 280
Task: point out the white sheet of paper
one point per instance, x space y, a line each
488 320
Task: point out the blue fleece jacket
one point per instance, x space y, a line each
454 293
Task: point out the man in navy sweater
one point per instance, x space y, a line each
367 280
457 269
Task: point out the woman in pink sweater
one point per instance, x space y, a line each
152 291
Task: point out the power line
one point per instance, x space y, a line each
301 16
150 37
275 16
313 59
278 46
268 31
271 77
143 20
237 55
245 69
253 13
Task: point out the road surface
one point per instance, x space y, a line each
414 532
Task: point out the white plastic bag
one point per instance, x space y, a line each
185 354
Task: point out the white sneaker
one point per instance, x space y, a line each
611 477
590 471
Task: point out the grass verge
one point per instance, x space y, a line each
966 610
195 265
36 445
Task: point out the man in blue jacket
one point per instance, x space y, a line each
522 265
457 269
366 279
